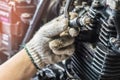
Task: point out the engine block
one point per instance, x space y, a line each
97 55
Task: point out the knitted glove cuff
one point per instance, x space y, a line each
34 56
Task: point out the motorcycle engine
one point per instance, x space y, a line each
97 55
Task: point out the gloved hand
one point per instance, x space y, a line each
52 43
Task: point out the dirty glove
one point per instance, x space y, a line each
52 43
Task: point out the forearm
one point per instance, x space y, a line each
19 67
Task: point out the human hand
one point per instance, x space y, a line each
53 42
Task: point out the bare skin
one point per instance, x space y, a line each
19 67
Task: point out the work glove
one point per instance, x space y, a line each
52 43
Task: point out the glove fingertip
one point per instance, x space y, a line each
73 32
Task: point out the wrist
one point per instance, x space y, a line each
35 57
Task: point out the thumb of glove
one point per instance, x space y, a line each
54 27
